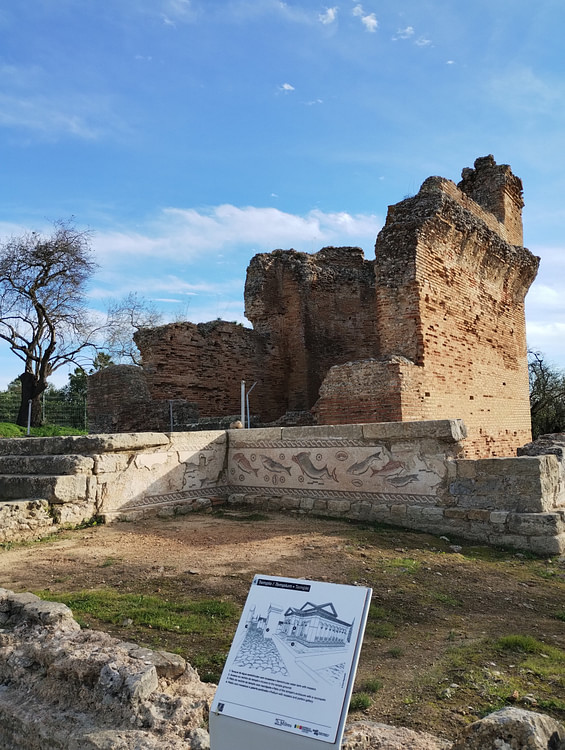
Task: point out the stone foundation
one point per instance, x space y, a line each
411 474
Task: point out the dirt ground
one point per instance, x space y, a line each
434 611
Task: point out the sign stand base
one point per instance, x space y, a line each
227 733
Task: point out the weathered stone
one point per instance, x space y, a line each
368 735
63 687
512 728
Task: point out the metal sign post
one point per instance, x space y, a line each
289 674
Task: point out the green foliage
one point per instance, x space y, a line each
359 702
371 686
404 565
524 644
181 616
9 430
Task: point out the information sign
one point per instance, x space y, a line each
293 659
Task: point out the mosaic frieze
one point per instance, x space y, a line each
400 470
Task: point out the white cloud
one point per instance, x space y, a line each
186 234
369 20
287 87
406 33
177 11
329 16
27 104
422 42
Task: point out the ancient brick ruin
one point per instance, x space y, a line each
433 328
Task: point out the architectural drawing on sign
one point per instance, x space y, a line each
303 640
315 626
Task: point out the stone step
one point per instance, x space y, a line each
46 465
81 444
55 489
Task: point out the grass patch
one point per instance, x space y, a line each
371 686
560 615
447 599
404 565
377 624
181 616
11 430
526 644
360 702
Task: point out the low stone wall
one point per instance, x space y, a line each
63 688
410 474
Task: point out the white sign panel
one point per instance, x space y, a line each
294 656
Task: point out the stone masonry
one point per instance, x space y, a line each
411 474
451 281
433 328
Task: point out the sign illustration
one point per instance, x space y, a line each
294 655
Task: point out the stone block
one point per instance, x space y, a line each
307 503
324 432
189 440
535 524
462 487
151 460
340 507
433 514
243 438
456 513
109 463
547 545
478 514
499 516
445 430
465 469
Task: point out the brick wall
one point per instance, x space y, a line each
205 364
433 328
450 294
316 310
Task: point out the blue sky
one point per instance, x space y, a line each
189 135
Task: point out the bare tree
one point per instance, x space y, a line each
547 395
125 317
43 315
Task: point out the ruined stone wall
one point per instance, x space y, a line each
433 328
316 311
205 364
411 474
63 687
450 294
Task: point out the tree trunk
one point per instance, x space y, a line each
32 389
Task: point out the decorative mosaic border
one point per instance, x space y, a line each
172 497
381 497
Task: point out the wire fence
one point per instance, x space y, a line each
53 410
